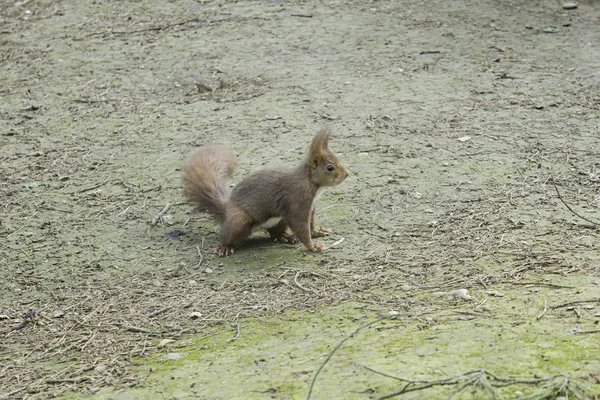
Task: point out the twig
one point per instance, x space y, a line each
8 395
70 380
162 27
302 15
371 252
237 335
570 209
200 255
463 380
424 384
334 244
570 303
588 331
312 385
299 285
552 285
544 310
92 187
135 329
161 214
158 312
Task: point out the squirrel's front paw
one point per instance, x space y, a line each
320 232
224 251
318 248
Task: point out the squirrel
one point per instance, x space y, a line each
273 199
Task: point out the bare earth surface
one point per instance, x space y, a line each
459 121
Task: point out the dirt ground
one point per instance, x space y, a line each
460 122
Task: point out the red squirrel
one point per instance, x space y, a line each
274 199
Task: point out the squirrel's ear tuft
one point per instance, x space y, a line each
318 146
321 140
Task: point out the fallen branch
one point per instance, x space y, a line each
162 27
312 385
477 378
570 209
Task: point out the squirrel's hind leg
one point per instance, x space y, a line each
235 228
279 232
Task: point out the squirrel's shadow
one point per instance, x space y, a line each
256 243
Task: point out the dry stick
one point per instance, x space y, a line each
570 209
312 385
70 380
92 187
424 384
334 244
158 312
544 310
570 303
159 216
135 329
160 28
8 395
299 285
453 380
589 331
237 335
552 285
371 253
200 255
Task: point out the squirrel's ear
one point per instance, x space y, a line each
319 143
321 140
314 156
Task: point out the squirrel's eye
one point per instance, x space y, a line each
330 168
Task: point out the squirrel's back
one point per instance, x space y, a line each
205 178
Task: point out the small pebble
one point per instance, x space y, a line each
570 5
164 342
58 313
157 283
195 315
100 368
462 293
208 271
550 29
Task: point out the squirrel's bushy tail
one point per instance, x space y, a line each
205 176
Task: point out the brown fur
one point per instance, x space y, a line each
286 193
205 176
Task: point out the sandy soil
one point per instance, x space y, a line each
459 121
